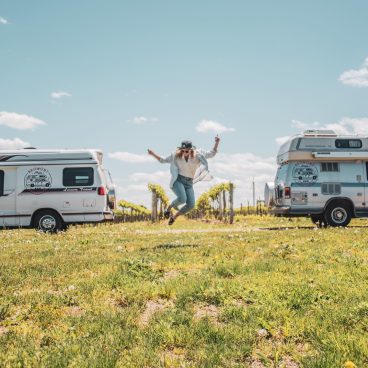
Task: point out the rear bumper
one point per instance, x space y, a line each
108 216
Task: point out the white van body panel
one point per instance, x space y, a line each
317 168
37 179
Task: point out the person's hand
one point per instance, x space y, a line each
149 151
217 139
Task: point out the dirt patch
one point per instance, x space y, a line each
74 311
153 307
3 330
209 311
256 363
287 362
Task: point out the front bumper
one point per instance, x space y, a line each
287 211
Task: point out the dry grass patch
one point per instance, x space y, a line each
171 274
173 358
74 311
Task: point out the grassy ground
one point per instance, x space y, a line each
195 295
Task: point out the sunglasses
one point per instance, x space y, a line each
186 151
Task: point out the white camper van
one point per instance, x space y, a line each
322 175
50 189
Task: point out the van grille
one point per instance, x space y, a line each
331 188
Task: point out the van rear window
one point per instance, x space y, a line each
78 177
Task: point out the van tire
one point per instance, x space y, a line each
48 221
338 213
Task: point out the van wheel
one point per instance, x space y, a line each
338 213
319 220
48 221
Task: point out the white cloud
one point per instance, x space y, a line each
155 177
346 126
139 120
131 157
10 144
205 126
3 21
356 77
60 94
19 121
281 140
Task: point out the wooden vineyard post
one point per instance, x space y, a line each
224 203
221 213
161 210
231 202
154 206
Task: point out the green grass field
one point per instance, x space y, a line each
195 295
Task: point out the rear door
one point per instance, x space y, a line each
8 214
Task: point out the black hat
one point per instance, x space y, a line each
186 145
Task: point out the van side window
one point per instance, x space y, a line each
1 183
78 176
348 143
329 166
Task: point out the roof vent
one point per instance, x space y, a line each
319 133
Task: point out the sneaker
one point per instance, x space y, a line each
171 220
167 214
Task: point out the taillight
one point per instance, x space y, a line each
101 191
287 192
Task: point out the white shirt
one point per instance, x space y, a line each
188 168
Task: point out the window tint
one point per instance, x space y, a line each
78 176
1 183
331 188
348 143
329 166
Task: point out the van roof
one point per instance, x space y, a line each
317 145
39 155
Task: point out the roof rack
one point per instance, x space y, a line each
319 133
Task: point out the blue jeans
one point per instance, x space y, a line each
183 188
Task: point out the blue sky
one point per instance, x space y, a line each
127 75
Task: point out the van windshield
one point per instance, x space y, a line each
108 178
282 173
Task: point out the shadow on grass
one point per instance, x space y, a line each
306 227
175 245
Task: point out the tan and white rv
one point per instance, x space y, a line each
322 175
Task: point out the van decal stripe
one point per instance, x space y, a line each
58 190
82 213
318 185
5 216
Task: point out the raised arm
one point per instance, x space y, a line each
209 154
163 160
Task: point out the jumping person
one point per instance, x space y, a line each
188 165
